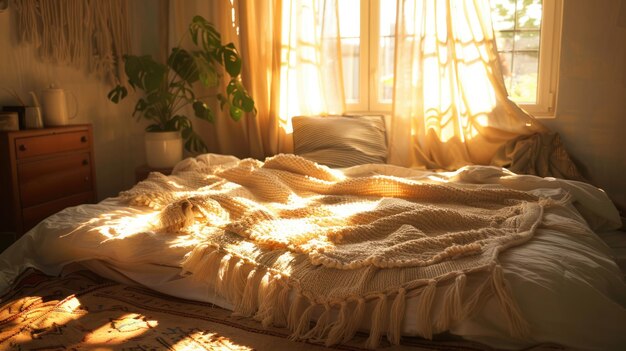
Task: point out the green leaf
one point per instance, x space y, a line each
238 96
206 69
232 61
145 73
184 65
247 103
194 143
235 113
140 106
202 111
117 94
202 29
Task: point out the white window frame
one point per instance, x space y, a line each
549 60
547 75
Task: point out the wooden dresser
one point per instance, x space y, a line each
43 171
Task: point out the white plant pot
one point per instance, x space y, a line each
163 149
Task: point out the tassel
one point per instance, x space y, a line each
517 324
378 322
294 311
452 306
265 313
338 328
477 298
263 285
193 259
317 333
396 317
305 322
248 304
222 276
281 305
424 306
237 281
207 267
355 322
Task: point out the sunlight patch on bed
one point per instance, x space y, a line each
349 209
123 227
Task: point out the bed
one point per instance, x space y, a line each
291 243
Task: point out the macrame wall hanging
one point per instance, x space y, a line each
91 34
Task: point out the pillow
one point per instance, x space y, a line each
340 141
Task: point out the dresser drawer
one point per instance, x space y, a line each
50 144
54 177
35 214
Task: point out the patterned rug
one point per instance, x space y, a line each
83 311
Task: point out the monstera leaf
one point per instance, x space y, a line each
169 88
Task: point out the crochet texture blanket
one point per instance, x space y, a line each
292 243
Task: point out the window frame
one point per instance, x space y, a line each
548 66
549 60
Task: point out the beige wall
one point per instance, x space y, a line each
591 107
118 138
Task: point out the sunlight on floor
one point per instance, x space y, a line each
215 341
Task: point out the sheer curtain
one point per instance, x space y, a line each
291 66
451 107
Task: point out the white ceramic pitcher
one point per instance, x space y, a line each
54 106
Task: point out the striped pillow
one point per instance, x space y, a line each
340 141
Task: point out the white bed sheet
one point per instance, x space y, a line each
567 285
616 240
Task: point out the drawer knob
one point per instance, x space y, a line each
22 147
85 162
87 178
83 139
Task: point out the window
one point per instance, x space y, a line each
528 40
527 35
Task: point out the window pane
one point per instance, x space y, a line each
350 18
524 80
385 69
386 52
503 14
387 18
528 14
506 60
350 31
350 53
517 25
504 41
527 40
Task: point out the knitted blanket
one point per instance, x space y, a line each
288 241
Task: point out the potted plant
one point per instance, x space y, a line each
169 87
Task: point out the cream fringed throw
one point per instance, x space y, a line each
288 241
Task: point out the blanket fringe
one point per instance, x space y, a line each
378 322
396 317
338 328
452 309
518 327
424 305
265 295
248 304
295 311
269 300
304 324
357 316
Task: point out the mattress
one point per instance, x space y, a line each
568 285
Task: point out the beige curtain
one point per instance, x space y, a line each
452 109
291 67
